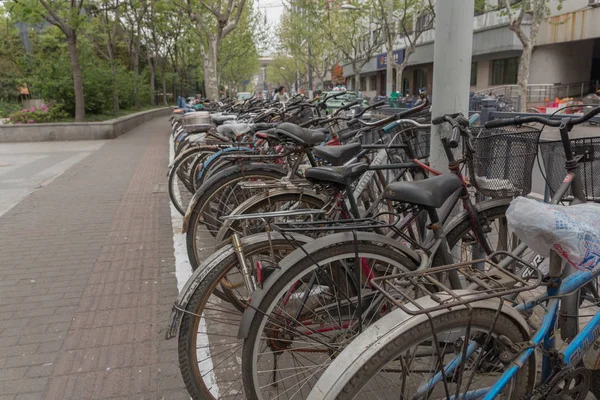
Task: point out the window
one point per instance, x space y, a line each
405 86
424 21
363 83
474 73
505 71
373 82
420 80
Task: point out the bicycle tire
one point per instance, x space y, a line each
290 275
210 189
216 269
174 176
345 385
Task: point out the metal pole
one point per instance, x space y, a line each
452 69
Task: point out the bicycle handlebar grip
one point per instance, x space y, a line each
389 127
474 118
378 104
499 123
453 142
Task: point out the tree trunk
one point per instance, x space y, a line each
77 78
152 68
523 77
211 80
136 70
389 72
399 72
113 70
164 84
356 86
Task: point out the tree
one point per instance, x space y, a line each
238 60
283 70
408 20
354 33
102 33
134 16
214 20
11 52
536 10
301 29
68 17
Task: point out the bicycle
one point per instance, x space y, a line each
477 332
329 280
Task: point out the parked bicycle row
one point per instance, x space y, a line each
332 261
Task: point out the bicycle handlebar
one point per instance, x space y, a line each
499 123
400 115
345 107
459 126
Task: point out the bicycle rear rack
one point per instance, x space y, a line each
492 279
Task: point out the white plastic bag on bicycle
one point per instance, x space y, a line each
572 231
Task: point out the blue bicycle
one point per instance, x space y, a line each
476 343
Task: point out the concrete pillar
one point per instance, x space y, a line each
452 68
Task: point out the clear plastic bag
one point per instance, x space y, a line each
571 231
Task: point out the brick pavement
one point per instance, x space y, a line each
87 280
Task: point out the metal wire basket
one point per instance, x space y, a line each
553 157
300 116
503 160
493 276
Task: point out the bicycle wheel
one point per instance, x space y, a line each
180 187
399 358
220 195
209 351
310 313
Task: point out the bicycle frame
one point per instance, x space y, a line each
562 289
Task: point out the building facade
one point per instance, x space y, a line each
567 53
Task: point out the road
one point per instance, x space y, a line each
26 167
87 271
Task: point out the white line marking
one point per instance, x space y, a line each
183 271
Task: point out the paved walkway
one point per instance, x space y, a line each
87 279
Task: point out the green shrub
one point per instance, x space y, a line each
8 108
38 115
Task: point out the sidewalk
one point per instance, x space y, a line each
87 279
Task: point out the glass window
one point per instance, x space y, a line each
505 71
424 21
474 73
363 83
373 82
420 80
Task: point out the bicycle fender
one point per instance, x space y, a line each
213 157
228 171
206 267
481 206
190 287
311 247
386 329
239 210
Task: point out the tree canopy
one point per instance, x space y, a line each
99 56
